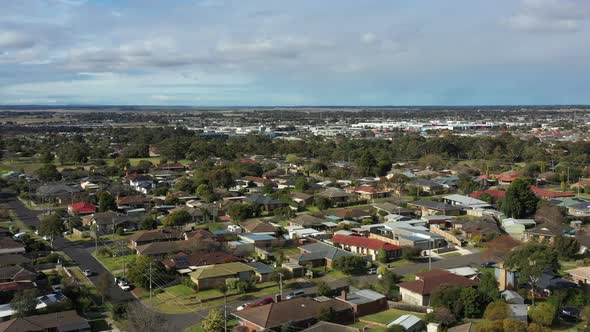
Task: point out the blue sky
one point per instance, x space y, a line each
329 52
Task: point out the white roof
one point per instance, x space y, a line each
466 200
465 271
407 321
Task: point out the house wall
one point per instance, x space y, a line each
413 298
371 307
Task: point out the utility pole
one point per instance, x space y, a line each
224 312
281 286
151 302
430 254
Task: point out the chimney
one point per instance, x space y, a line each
343 294
277 298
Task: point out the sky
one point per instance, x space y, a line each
304 52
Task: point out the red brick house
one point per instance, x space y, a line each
417 292
366 247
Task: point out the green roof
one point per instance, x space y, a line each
220 270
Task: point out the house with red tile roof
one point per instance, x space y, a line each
496 194
417 292
549 194
506 178
366 247
81 208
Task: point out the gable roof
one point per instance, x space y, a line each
220 270
547 194
131 199
260 199
363 242
434 205
296 310
8 243
183 260
320 250
258 226
62 321
162 234
82 207
428 281
307 220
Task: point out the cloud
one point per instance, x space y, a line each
163 97
557 16
15 40
368 38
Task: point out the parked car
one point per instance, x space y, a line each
125 287
265 301
372 270
569 313
488 264
87 273
244 306
295 294
19 236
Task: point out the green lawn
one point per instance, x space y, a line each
181 290
4 170
409 277
114 263
77 273
387 316
400 263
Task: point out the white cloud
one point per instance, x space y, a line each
163 97
550 16
369 38
15 40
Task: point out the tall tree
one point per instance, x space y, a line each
531 261
142 318
519 201
214 322
488 287
51 226
47 173
106 201
24 302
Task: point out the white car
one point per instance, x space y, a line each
87 273
125 287
19 236
372 270
243 306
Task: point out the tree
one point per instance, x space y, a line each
241 211
444 316
322 288
488 287
544 313
142 318
566 247
366 164
432 161
139 270
410 253
122 163
549 214
322 203
519 201
489 326
531 261
103 285
534 327
389 283
205 193
46 157
106 201
449 297
171 199
472 303
514 325
301 184
354 265
150 222
51 226
177 218
214 322
48 173
497 310
24 302
382 256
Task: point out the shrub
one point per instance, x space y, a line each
104 252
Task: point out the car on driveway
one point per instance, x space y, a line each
569 313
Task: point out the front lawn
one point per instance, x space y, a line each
181 290
388 316
399 263
114 263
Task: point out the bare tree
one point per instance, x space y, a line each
142 318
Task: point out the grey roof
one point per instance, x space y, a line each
433 205
364 296
256 236
425 183
110 217
260 199
407 321
261 268
58 188
466 200
319 250
307 220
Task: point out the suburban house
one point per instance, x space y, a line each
198 215
367 192
507 278
17 273
16 259
302 199
108 222
318 254
429 208
391 208
212 276
260 240
301 311
155 235
580 275
132 202
183 261
64 321
406 234
417 292
410 323
365 301
8 246
544 233
507 178
497 195
94 182
266 203
59 192
258 227
141 183
257 181
466 202
335 195
81 208
264 273
549 194
582 184
162 249
429 186
367 247
306 220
